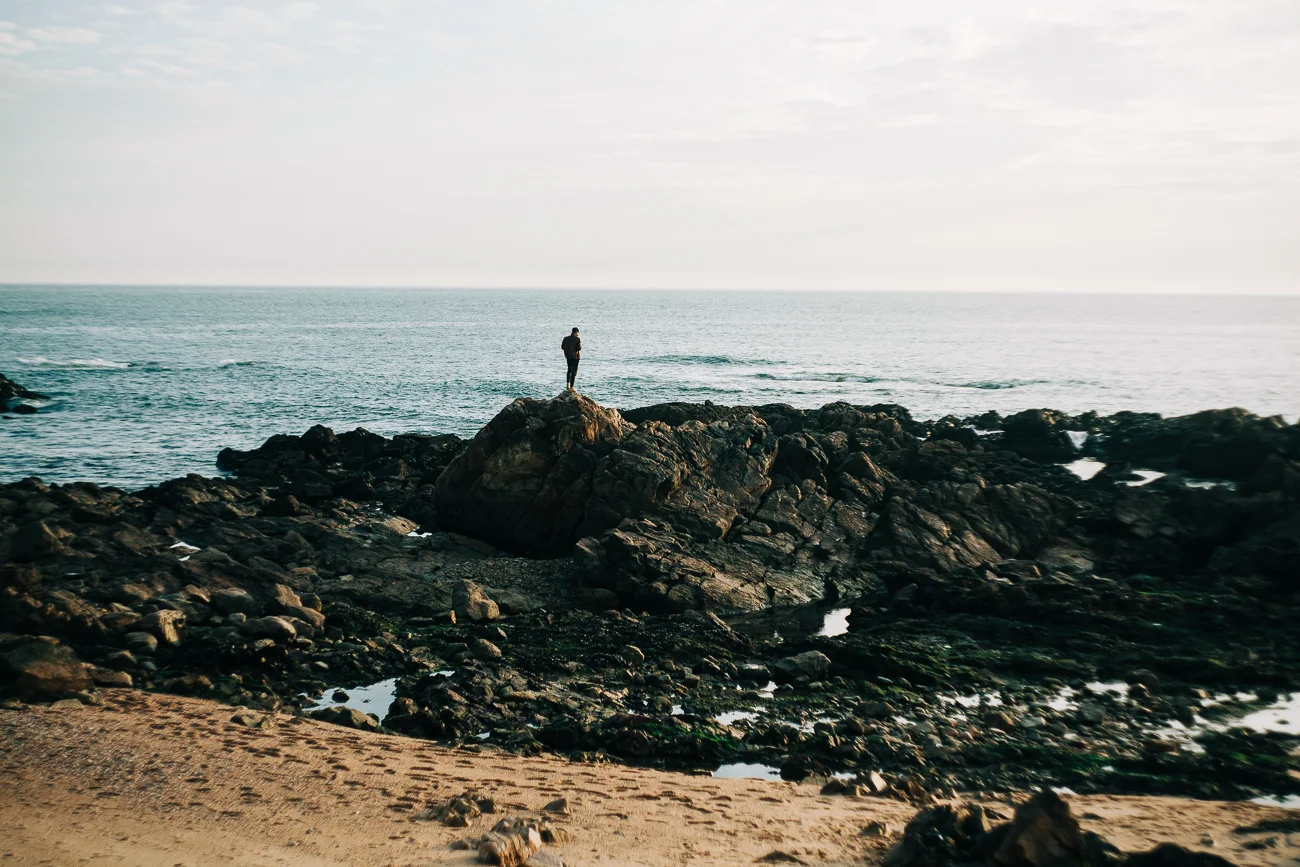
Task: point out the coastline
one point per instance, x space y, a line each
886 611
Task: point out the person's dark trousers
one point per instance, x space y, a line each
573 370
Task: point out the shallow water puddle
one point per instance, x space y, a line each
1146 478
1287 802
835 622
374 698
1283 716
988 700
732 717
1085 468
1077 437
1208 484
747 771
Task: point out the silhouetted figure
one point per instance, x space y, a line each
572 346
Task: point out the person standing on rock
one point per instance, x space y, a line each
572 346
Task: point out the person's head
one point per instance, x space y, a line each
574 331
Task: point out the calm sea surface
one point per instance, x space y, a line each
150 383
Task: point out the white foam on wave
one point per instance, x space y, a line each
234 362
81 363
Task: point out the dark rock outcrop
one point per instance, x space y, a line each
357 465
41 668
11 392
524 481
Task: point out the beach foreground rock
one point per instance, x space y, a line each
1043 833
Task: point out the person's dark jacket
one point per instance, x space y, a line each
572 346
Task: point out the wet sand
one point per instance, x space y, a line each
162 780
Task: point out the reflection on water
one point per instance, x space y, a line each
734 716
1282 716
835 622
1085 468
1289 802
1146 477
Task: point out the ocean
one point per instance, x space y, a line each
149 383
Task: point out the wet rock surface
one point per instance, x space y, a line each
1010 624
13 395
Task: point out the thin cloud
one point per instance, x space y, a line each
63 35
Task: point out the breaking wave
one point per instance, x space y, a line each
704 360
995 384
819 377
75 363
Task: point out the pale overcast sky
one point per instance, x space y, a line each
1110 145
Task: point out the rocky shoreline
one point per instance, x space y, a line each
653 586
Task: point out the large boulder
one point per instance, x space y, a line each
523 482
812 664
699 476
1039 434
41 668
1217 443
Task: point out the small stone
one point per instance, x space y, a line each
166 624
632 655
778 856
543 858
559 805
112 679
230 600
812 664
876 829
347 716
1092 713
484 650
340 695
470 603
275 628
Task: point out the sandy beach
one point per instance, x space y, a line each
161 780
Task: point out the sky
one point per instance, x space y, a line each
1112 145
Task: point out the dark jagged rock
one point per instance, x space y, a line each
1220 443
358 465
41 668
1039 434
524 481
967 568
11 392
